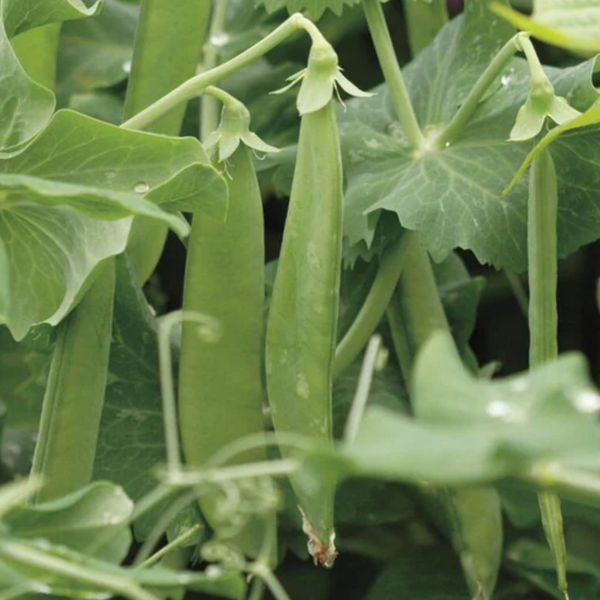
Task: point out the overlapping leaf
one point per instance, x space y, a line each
25 106
471 431
94 520
453 195
59 194
96 53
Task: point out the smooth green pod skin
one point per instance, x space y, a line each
168 43
220 385
72 409
301 329
543 319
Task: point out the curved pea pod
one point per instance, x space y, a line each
472 518
220 385
301 328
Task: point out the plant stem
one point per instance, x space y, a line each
579 485
374 307
159 65
209 107
468 107
29 556
361 396
518 291
392 73
175 544
195 86
72 408
543 320
424 19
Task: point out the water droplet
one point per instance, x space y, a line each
213 572
588 402
141 188
507 78
111 174
219 40
499 410
127 66
447 145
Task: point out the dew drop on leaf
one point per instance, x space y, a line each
141 188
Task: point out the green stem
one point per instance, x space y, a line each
424 19
175 544
209 108
196 85
392 73
159 65
72 408
28 556
518 291
468 107
362 390
374 307
543 320
578 485
37 52
416 310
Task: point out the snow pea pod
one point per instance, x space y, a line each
220 387
301 329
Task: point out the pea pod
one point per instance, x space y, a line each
301 329
543 320
220 386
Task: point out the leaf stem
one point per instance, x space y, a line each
362 391
374 307
166 549
492 72
518 291
209 108
30 556
392 72
196 85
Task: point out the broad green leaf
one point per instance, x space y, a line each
453 196
472 431
94 520
426 573
102 171
96 53
313 8
131 440
25 106
571 24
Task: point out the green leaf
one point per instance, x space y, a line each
131 440
102 171
312 8
96 53
466 429
453 196
25 106
94 520
410 576
571 24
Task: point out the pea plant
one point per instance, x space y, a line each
244 249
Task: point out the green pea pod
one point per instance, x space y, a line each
472 518
301 329
220 385
543 320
